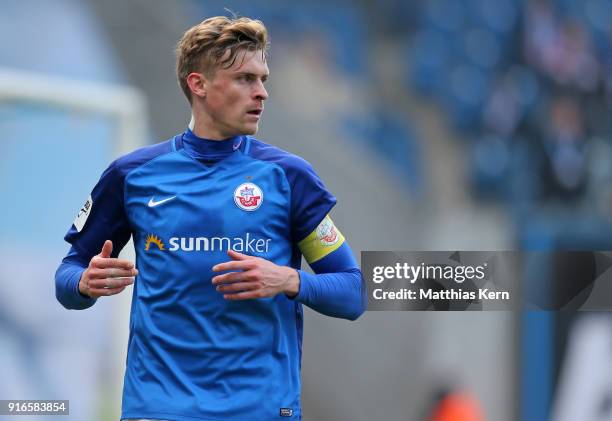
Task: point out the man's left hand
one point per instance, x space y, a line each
255 278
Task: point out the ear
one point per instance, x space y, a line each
198 84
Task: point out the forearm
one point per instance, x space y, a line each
67 279
339 294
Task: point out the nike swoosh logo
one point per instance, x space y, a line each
153 203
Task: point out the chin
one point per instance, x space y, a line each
250 130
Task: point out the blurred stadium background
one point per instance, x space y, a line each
438 124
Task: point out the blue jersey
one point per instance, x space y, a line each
193 355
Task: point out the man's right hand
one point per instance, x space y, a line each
105 275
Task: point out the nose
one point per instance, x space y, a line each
260 92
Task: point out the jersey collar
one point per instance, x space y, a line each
201 148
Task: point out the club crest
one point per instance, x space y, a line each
248 197
326 233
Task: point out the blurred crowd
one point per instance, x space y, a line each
528 84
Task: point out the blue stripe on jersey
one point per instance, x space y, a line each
107 219
310 200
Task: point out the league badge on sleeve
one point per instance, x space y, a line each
248 197
79 221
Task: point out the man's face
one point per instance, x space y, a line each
235 96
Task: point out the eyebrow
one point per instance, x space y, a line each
262 75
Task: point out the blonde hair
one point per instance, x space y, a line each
203 47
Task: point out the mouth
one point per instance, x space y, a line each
255 112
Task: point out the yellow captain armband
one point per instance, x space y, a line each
323 240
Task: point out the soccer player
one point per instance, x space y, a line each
220 222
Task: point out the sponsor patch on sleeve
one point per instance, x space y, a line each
323 240
81 218
286 412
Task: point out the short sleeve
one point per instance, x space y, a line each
102 217
310 200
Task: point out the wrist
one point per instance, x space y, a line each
292 287
82 288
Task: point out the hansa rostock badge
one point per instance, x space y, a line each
248 197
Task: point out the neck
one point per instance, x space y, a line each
203 126
202 131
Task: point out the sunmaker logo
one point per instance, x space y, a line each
246 244
154 239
